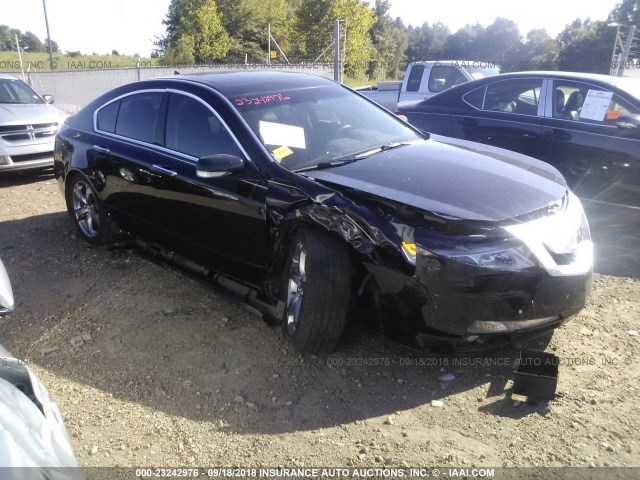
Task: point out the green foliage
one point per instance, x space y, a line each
194 28
390 40
626 13
586 47
538 52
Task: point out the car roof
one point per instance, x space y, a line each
9 76
236 83
611 80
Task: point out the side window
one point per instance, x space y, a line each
587 103
106 118
193 129
443 77
415 78
475 98
514 96
138 116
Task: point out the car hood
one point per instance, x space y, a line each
453 178
14 114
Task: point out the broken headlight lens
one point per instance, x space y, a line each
513 258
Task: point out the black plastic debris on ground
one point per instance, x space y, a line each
536 375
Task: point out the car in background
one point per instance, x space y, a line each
32 432
297 194
585 125
28 126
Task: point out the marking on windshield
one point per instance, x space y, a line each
276 97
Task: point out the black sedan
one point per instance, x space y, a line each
587 126
299 195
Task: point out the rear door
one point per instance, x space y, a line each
504 113
599 160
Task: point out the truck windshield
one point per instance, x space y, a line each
308 127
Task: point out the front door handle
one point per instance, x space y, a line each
468 122
166 171
562 135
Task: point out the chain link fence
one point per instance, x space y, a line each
72 90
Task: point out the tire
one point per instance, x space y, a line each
318 291
88 212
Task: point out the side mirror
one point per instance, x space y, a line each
213 166
629 125
628 121
48 98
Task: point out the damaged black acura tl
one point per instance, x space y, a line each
299 195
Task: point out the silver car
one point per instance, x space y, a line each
28 126
32 432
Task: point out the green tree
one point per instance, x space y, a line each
464 43
31 43
200 22
627 12
181 53
498 42
390 41
586 47
54 46
428 42
538 52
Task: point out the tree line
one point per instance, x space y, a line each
377 45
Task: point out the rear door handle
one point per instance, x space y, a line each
100 149
560 134
468 122
166 171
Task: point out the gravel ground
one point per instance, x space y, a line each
152 368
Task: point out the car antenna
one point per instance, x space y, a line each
176 72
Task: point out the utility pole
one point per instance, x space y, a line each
337 70
269 48
46 21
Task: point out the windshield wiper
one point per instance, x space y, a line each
328 164
382 148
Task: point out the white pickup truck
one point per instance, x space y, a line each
424 79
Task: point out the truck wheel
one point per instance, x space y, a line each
88 212
318 289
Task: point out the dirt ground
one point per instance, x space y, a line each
152 368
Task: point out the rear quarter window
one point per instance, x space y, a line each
415 78
107 116
475 98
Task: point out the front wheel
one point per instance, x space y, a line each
318 289
88 212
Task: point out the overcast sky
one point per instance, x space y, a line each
130 26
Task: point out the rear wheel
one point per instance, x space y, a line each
318 289
89 213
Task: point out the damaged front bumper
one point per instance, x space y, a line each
497 285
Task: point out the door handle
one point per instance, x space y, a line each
468 122
560 134
100 149
166 171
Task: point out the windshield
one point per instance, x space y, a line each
481 69
16 91
308 127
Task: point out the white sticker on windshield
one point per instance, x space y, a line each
595 105
281 134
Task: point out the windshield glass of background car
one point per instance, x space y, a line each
307 126
16 91
480 69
